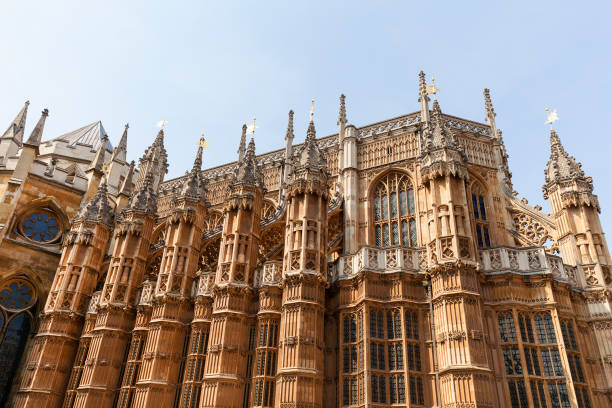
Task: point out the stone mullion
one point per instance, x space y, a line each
564 360
521 348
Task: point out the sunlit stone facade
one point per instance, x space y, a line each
390 264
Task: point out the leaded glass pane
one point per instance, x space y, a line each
479 236
483 214
385 235
11 348
487 240
475 206
405 233
413 234
410 201
385 207
378 236
377 208
402 203
395 233
393 205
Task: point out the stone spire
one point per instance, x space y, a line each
311 158
154 161
490 113
289 137
423 98
17 126
97 208
119 154
248 172
342 111
126 186
194 184
441 153
36 135
242 146
97 163
561 166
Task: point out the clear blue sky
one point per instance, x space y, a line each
212 66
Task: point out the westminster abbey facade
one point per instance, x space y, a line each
388 265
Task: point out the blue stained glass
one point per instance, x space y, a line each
410 201
11 348
402 203
475 206
16 294
483 213
413 234
40 226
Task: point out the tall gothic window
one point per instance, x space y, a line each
394 212
480 217
17 297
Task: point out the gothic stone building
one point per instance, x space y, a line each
386 265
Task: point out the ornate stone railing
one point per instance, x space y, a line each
203 285
382 260
94 302
146 293
270 274
525 261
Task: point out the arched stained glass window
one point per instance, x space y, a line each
480 217
16 297
394 212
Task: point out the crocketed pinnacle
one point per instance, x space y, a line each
438 135
342 111
36 135
120 151
97 208
289 135
248 171
422 87
17 126
156 154
242 146
193 185
144 199
98 161
310 155
488 104
561 166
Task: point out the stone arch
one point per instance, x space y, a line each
44 205
268 209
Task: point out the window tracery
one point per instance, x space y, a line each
268 209
40 225
213 221
394 211
480 216
17 297
530 229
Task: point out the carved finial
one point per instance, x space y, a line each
342 112
422 86
423 98
97 163
97 208
251 128
126 186
312 110
551 117
17 126
248 172
193 184
561 165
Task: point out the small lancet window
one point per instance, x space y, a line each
480 217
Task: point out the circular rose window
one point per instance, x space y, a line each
16 294
40 225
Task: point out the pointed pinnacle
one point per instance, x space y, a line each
342 112
488 104
98 161
289 134
17 126
197 163
311 133
36 135
242 146
126 186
